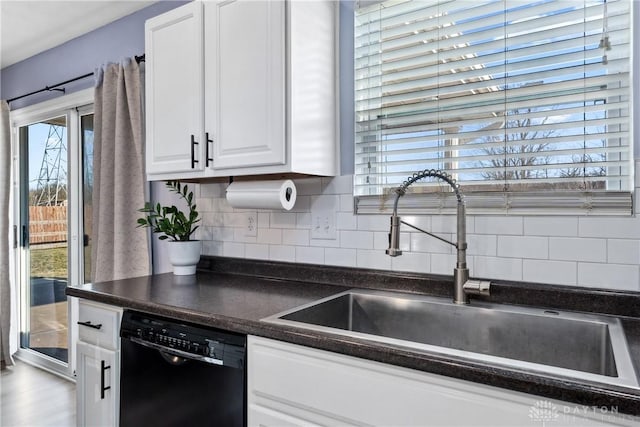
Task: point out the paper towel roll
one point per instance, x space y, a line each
262 194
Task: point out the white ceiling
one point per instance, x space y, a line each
30 27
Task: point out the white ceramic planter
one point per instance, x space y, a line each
184 256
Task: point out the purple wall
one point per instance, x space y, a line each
82 55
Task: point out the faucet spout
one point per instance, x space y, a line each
462 285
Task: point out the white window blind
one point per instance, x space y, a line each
525 98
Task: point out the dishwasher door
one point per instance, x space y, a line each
168 388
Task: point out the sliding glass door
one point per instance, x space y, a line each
44 203
55 186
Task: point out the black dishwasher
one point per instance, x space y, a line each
180 374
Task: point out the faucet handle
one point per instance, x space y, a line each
477 287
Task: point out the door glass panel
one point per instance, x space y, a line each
86 130
44 232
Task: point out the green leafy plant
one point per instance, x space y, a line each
170 221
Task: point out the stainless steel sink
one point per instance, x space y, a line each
584 346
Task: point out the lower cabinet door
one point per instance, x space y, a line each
266 417
291 385
97 386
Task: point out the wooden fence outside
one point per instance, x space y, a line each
47 224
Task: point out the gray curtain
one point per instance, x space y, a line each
5 188
119 249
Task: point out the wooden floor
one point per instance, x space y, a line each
31 397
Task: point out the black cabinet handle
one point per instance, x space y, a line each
208 159
193 152
103 368
91 325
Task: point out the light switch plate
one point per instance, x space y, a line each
323 216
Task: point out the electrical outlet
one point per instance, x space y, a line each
251 224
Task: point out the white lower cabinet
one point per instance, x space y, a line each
97 387
291 385
98 365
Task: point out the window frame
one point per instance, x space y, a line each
536 202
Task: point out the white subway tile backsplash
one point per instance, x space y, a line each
257 251
613 228
523 247
346 203
303 204
309 255
482 244
413 262
263 219
240 235
445 263
380 240
356 239
221 205
340 257
212 248
282 220
204 205
542 271
421 242
346 221
295 237
497 268
571 250
234 219
326 243
204 233
623 251
303 220
576 249
378 260
449 224
373 222
550 226
612 276
233 249
222 233
272 236
282 253
420 221
499 225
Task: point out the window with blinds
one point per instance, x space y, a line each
526 103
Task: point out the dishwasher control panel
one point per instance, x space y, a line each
216 344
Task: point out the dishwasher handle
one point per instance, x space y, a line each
176 352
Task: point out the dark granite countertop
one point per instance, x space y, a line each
235 295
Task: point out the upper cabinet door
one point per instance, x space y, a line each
174 85
245 102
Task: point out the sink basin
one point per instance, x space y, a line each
585 346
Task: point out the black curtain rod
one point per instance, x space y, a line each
55 87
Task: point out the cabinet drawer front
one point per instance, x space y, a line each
99 324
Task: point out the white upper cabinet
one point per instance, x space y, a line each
174 87
245 103
269 89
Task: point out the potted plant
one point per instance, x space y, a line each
174 225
